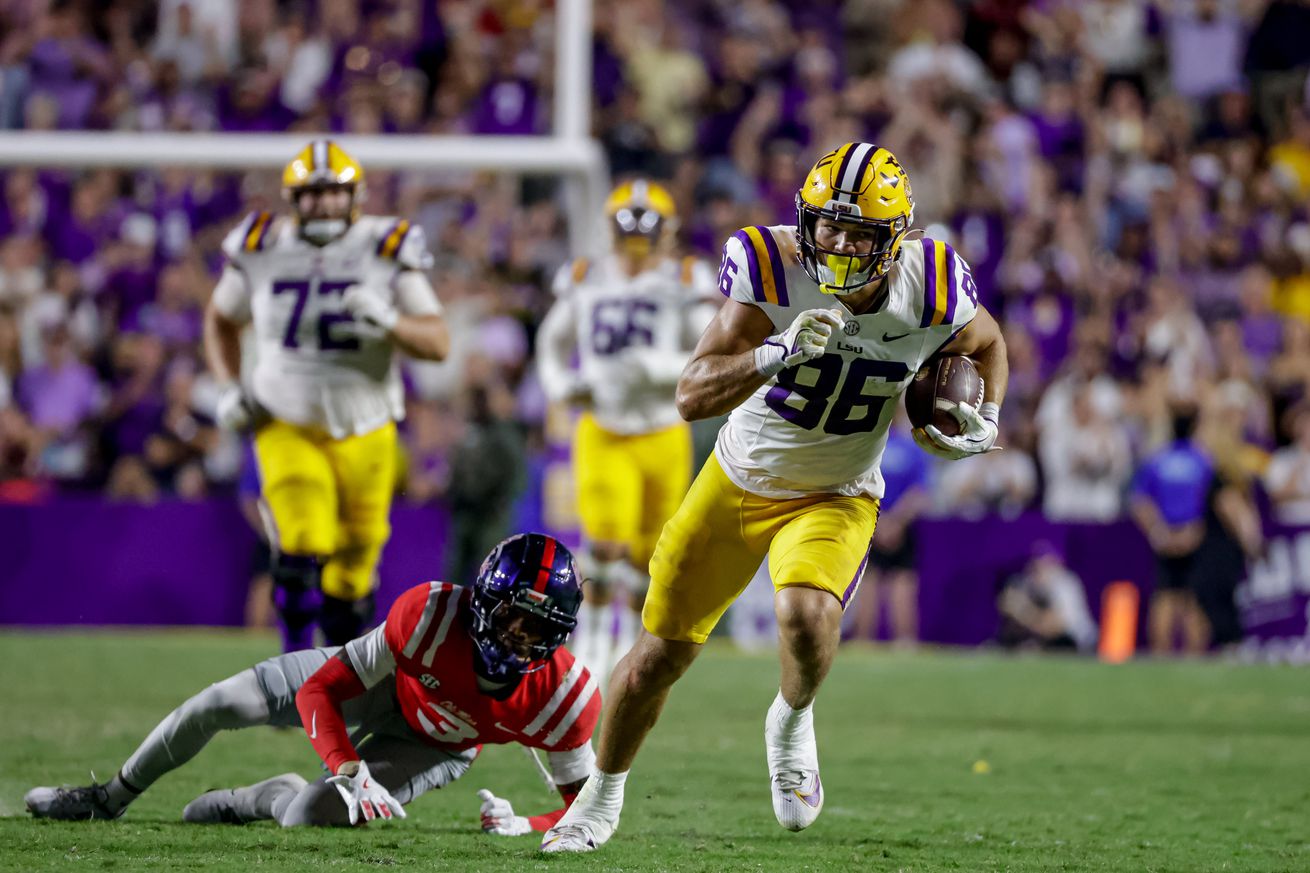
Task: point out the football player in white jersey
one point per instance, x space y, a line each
331 294
825 325
630 320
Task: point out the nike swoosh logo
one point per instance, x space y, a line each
508 730
313 726
812 798
893 337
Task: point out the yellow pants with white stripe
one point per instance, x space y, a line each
330 498
715 542
629 485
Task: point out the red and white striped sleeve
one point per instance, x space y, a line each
568 718
419 623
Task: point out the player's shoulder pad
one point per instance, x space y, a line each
403 242
421 618
754 268
948 295
566 707
572 274
250 236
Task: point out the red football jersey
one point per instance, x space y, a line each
426 641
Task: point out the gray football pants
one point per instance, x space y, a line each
266 695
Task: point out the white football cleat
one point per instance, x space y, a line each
793 757
583 834
797 798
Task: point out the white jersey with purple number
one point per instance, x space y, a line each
632 335
315 366
820 427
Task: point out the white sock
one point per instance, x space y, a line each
585 636
602 642
791 736
602 794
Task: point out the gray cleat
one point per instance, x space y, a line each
241 805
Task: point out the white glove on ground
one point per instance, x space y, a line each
977 437
498 817
369 307
364 795
805 340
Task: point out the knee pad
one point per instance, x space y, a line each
343 620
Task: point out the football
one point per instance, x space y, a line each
938 387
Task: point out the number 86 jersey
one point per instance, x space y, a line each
821 427
315 365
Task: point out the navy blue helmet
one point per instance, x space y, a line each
525 604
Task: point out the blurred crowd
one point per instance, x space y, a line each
1128 179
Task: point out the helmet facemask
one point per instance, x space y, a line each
513 635
320 226
637 230
841 273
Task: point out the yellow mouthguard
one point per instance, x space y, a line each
841 271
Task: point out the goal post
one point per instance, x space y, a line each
569 151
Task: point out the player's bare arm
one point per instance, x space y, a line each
422 336
722 372
982 342
222 340
738 353
410 325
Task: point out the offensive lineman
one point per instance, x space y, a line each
825 325
631 319
450 669
332 294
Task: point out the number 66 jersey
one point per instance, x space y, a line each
315 366
821 427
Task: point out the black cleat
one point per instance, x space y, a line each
70 804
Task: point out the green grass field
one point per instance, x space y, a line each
1152 766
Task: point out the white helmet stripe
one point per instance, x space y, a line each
321 162
850 180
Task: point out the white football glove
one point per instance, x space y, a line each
363 794
805 340
978 434
369 307
236 410
498 817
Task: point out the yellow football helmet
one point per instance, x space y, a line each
859 184
641 212
323 164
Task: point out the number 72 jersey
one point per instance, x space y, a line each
821 427
315 366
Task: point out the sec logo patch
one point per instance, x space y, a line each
851 328
427 680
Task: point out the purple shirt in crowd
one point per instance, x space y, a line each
59 398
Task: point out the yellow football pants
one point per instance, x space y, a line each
629 486
330 498
715 542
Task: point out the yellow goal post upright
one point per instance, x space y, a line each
569 151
